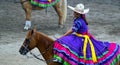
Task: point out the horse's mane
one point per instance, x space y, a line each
39 34
44 35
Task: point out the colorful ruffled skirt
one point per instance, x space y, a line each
44 3
71 50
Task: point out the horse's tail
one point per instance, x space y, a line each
64 9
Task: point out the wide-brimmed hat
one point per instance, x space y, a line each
79 9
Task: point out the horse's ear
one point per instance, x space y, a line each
32 31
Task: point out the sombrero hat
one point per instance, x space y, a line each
79 9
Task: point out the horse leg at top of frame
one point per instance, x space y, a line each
28 10
28 17
60 14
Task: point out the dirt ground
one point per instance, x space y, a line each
104 24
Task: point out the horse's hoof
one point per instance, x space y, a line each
26 28
27 25
61 26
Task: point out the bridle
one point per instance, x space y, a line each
27 41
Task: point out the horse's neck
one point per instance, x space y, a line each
45 46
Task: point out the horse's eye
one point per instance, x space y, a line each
27 41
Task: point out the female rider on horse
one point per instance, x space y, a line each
78 47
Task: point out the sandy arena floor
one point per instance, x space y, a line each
104 24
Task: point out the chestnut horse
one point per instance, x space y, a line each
60 8
43 43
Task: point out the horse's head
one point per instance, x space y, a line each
39 40
29 42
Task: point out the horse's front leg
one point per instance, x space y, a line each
28 18
60 14
28 10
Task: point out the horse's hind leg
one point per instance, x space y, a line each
28 10
60 14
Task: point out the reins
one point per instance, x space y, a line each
37 57
48 61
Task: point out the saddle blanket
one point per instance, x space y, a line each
44 3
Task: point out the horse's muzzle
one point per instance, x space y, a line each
23 51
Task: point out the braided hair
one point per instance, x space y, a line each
83 16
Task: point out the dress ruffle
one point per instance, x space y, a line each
70 52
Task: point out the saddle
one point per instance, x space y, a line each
44 3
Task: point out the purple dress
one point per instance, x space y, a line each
71 50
